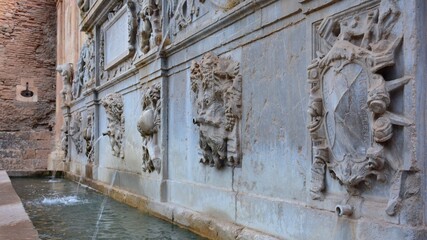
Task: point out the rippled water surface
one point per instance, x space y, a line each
58 212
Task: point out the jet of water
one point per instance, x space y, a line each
103 205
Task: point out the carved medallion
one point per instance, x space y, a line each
350 122
113 104
149 127
217 86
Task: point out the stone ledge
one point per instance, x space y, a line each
14 221
200 224
34 173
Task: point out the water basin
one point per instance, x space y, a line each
58 212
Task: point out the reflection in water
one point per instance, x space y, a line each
58 212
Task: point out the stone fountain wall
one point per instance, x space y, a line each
299 119
27 64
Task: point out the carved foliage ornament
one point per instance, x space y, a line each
113 104
217 86
149 127
350 123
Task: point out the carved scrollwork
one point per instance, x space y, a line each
76 132
66 72
217 86
113 104
350 121
149 127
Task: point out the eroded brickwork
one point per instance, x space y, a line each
27 55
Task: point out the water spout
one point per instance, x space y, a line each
344 210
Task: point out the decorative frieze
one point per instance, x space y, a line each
217 86
349 110
113 104
149 126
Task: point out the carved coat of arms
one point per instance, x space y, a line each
350 121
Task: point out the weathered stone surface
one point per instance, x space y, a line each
14 223
362 159
27 58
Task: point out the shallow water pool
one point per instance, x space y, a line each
61 210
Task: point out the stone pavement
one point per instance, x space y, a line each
14 221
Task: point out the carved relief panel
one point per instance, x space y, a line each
113 104
85 72
349 110
217 86
76 132
149 127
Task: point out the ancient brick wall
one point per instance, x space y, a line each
27 57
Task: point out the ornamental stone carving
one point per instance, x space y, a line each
85 67
149 127
350 120
76 132
145 25
64 138
66 72
217 86
113 104
132 24
89 135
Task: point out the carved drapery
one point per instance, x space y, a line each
113 104
350 121
66 72
149 127
217 86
